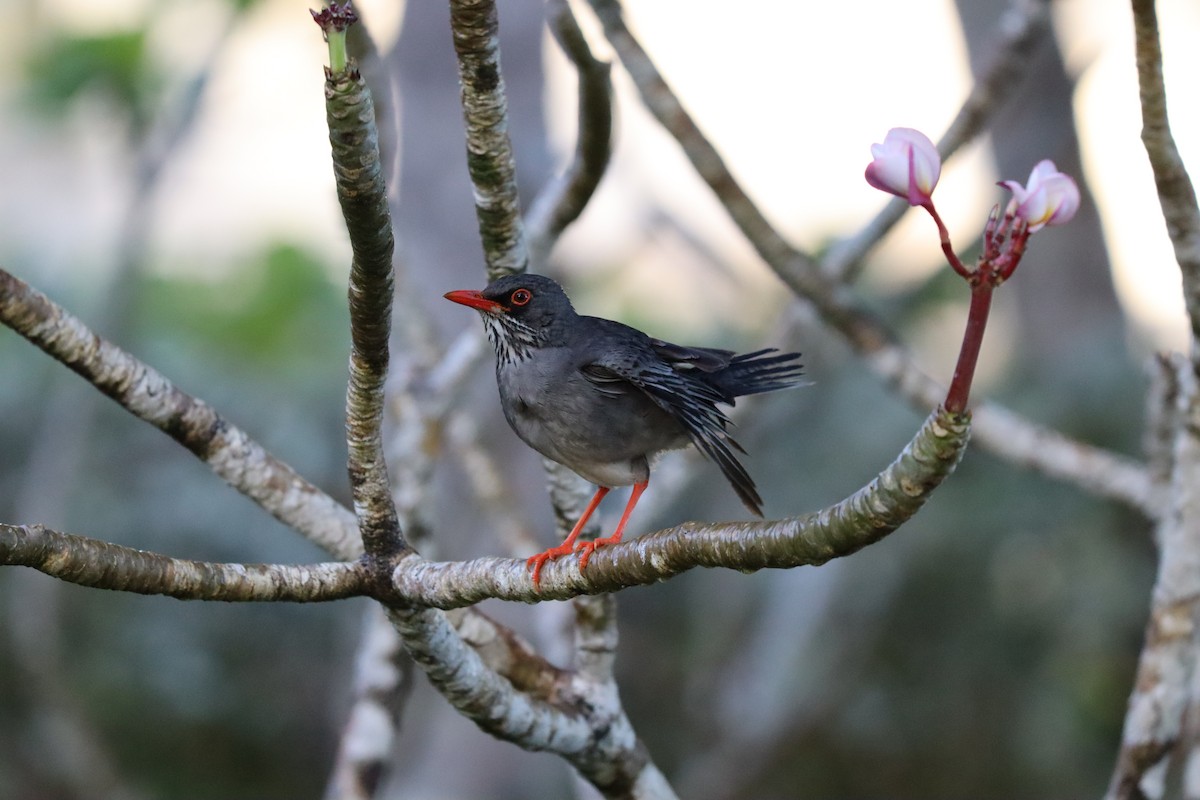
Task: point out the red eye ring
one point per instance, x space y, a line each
520 297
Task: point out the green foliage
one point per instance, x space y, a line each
282 310
116 65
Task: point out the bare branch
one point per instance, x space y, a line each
226 449
490 159
1162 690
865 517
148 395
595 737
382 677
1176 194
596 636
1162 418
101 565
795 267
363 196
562 201
1024 26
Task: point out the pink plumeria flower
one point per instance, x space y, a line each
1049 198
906 165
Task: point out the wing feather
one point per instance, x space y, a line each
686 396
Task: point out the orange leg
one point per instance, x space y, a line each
587 548
568 545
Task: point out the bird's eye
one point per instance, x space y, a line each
520 297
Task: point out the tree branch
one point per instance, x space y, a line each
101 565
795 267
839 530
490 160
865 517
148 395
1176 194
226 449
1167 664
596 738
362 195
562 201
1162 689
382 678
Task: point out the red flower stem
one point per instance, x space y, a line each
968 356
944 235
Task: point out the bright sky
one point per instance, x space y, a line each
853 69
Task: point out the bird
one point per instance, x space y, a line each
605 399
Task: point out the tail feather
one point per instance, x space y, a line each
758 372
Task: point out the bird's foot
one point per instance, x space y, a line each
538 561
585 549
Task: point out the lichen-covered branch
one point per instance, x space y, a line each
1176 194
592 733
102 565
148 395
1162 690
226 449
382 677
1026 24
562 201
490 161
363 197
865 517
995 428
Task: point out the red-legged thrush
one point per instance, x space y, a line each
604 399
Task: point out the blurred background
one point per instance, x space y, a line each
164 173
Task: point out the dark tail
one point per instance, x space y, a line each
758 372
751 373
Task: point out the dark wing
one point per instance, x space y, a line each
708 359
734 375
760 371
686 396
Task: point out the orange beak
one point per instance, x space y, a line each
475 300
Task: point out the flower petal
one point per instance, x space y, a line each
906 164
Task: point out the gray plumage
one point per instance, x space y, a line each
604 399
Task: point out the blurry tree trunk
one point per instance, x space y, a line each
435 195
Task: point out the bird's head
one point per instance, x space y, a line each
520 312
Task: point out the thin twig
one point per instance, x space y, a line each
562 201
1176 194
794 266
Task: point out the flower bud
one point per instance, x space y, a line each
906 165
1049 198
